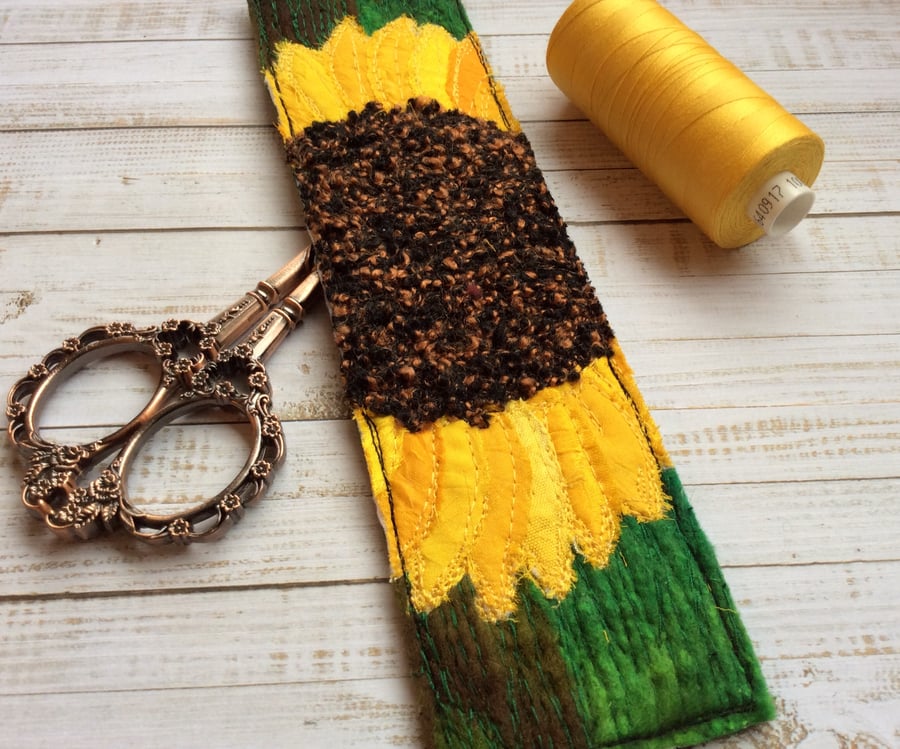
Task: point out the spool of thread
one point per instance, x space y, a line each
723 150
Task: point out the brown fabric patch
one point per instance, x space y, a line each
453 285
500 684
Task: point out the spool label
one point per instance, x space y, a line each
781 204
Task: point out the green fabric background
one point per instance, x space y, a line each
650 650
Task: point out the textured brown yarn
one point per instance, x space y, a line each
453 285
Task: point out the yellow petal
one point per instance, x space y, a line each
625 376
548 476
429 61
399 61
346 54
498 554
471 86
306 85
461 504
596 519
625 463
548 552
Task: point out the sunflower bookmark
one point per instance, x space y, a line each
560 591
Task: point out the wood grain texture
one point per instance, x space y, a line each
140 179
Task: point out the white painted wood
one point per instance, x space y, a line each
221 89
212 83
770 27
121 180
140 179
333 633
825 702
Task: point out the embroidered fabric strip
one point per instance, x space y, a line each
560 591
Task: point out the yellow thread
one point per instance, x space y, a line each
338 73
482 499
501 488
549 475
689 119
453 73
561 433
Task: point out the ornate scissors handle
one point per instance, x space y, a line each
218 363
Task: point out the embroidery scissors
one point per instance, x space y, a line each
79 490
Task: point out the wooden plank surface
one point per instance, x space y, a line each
140 179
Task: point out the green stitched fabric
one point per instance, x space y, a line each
648 652
373 14
312 23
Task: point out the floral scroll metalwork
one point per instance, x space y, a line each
81 490
194 375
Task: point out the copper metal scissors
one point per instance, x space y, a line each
79 490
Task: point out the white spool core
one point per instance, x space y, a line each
781 204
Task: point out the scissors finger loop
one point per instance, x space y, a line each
26 395
211 518
79 490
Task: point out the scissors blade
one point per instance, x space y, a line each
235 321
